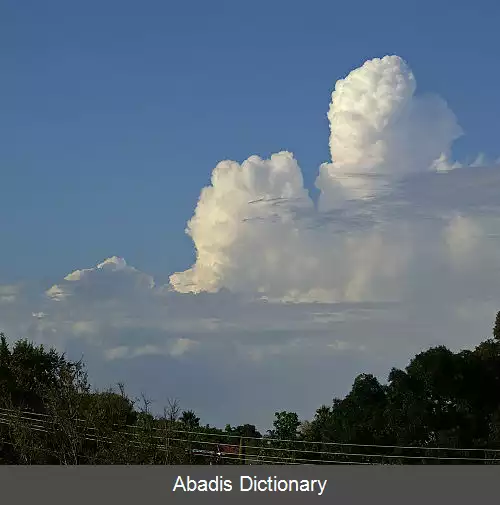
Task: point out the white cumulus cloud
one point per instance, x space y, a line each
380 130
92 282
257 230
400 252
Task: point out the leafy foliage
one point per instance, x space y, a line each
50 415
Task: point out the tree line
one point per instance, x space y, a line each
443 408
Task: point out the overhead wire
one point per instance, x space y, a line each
5 420
279 440
257 459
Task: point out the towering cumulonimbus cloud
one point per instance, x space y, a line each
379 130
228 219
249 228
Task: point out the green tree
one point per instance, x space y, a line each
286 425
246 431
190 419
28 374
496 328
321 427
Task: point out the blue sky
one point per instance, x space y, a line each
114 117
115 113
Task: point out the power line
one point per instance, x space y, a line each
344 444
219 456
278 440
274 460
300 451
